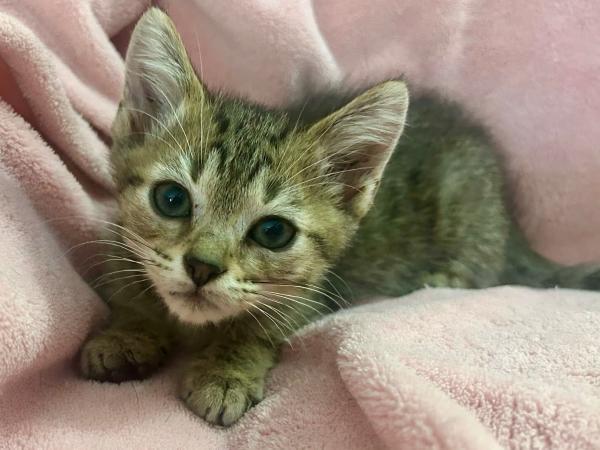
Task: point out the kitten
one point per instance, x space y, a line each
233 217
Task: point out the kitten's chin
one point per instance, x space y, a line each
193 310
193 315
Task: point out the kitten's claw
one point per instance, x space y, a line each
118 356
220 398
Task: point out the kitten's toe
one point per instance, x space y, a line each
118 356
220 399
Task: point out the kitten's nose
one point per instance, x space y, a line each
200 271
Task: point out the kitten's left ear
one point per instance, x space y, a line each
159 74
358 140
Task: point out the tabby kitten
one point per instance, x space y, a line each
232 217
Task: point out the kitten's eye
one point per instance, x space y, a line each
272 232
171 200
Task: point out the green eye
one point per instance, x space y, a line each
171 200
272 233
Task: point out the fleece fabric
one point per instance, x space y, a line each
499 368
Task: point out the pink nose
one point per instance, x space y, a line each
200 271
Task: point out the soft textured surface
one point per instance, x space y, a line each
507 367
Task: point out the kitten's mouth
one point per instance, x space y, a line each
193 296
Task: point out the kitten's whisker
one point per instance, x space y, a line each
117 244
337 292
274 320
140 240
259 323
120 244
291 327
327 293
314 289
285 323
145 290
116 258
296 325
141 246
128 254
115 272
291 307
142 252
114 280
346 286
126 286
86 271
294 298
263 313
136 237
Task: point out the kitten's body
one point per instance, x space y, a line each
439 218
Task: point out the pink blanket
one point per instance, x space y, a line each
507 367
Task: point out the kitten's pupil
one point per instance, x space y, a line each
273 233
174 198
171 200
272 229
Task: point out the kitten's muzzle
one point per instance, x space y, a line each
201 272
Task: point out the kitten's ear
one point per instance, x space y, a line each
358 140
159 74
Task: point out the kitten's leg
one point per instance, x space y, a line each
473 223
134 344
227 377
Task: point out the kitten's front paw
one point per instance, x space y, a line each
117 356
220 397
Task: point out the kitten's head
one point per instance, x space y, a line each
232 204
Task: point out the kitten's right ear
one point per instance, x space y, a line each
159 75
357 141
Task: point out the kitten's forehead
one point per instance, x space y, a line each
238 152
